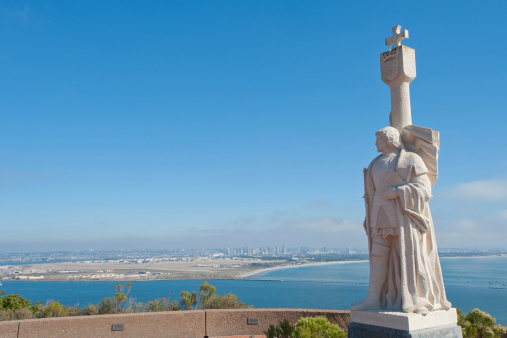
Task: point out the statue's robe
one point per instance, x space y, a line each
414 277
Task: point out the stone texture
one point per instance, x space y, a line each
397 69
244 336
211 323
158 324
357 330
234 322
405 272
9 329
406 321
395 40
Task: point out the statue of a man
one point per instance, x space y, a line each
405 271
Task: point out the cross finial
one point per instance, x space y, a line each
395 40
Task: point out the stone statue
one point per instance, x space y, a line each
406 295
405 271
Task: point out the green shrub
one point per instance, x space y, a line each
309 327
317 327
283 330
224 302
90 310
53 309
15 302
479 324
160 304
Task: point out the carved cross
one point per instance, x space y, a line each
395 40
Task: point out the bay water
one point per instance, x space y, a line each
470 283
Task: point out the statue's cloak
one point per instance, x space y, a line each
414 276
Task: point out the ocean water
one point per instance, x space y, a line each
470 283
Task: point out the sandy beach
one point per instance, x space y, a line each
291 266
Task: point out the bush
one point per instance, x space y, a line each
479 324
23 313
224 302
18 314
283 330
53 309
15 302
90 310
309 327
161 304
317 327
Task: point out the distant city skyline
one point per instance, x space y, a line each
209 124
278 253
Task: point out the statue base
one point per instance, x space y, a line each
394 324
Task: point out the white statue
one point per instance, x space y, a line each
406 292
405 271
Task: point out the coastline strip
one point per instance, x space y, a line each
282 267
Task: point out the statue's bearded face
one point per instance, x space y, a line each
382 144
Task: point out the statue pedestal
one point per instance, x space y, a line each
395 324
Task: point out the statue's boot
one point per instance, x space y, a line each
378 274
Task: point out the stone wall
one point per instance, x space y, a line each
235 322
208 323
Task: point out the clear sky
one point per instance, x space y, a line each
167 124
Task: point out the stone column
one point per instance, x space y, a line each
397 68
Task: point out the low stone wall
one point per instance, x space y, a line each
208 323
9 329
153 324
236 322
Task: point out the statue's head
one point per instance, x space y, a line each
388 138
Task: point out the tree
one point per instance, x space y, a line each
189 301
206 293
161 304
207 299
120 303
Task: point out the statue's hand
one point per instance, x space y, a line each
390 194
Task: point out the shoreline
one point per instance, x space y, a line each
261 271
246 275
91 272
486 256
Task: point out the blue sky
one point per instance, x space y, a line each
165 124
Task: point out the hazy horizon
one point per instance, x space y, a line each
133 248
